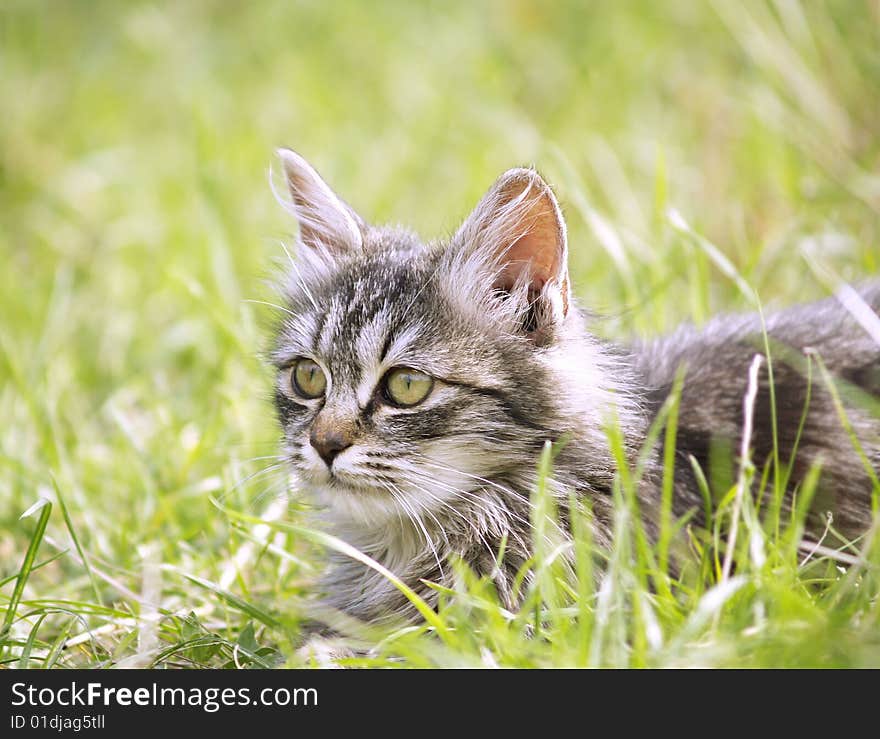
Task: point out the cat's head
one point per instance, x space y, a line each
413 376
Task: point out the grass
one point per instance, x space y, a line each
705 153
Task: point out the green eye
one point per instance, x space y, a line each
405 387
307 379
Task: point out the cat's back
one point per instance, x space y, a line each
844 332
820 353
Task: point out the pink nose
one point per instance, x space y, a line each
328 443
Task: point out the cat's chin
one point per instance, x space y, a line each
361 505
350 499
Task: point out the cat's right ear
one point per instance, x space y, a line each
325 221
517 229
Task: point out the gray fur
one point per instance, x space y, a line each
452 477
717 358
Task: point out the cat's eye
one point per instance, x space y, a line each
307 379
405 387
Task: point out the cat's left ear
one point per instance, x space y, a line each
518 226
325 221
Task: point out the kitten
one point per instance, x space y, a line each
417 385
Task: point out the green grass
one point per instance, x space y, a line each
702 151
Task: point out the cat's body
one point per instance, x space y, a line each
418 385
717 358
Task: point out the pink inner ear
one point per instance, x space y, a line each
539 252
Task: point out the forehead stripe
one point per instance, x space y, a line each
319 329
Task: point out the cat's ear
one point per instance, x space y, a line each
325 221
518 226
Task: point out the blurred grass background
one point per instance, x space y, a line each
136 220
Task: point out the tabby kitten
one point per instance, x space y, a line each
417 385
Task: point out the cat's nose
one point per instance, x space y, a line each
329 442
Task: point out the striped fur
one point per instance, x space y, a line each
515 367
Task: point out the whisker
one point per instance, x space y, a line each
263 471
440 527
468 522
271 305
503 488
267 493
474 501
417 521
278 457
469 494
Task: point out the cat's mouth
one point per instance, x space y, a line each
346 482
340 481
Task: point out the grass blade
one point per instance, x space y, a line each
72 532
24 660
233 600
332 542
44 506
